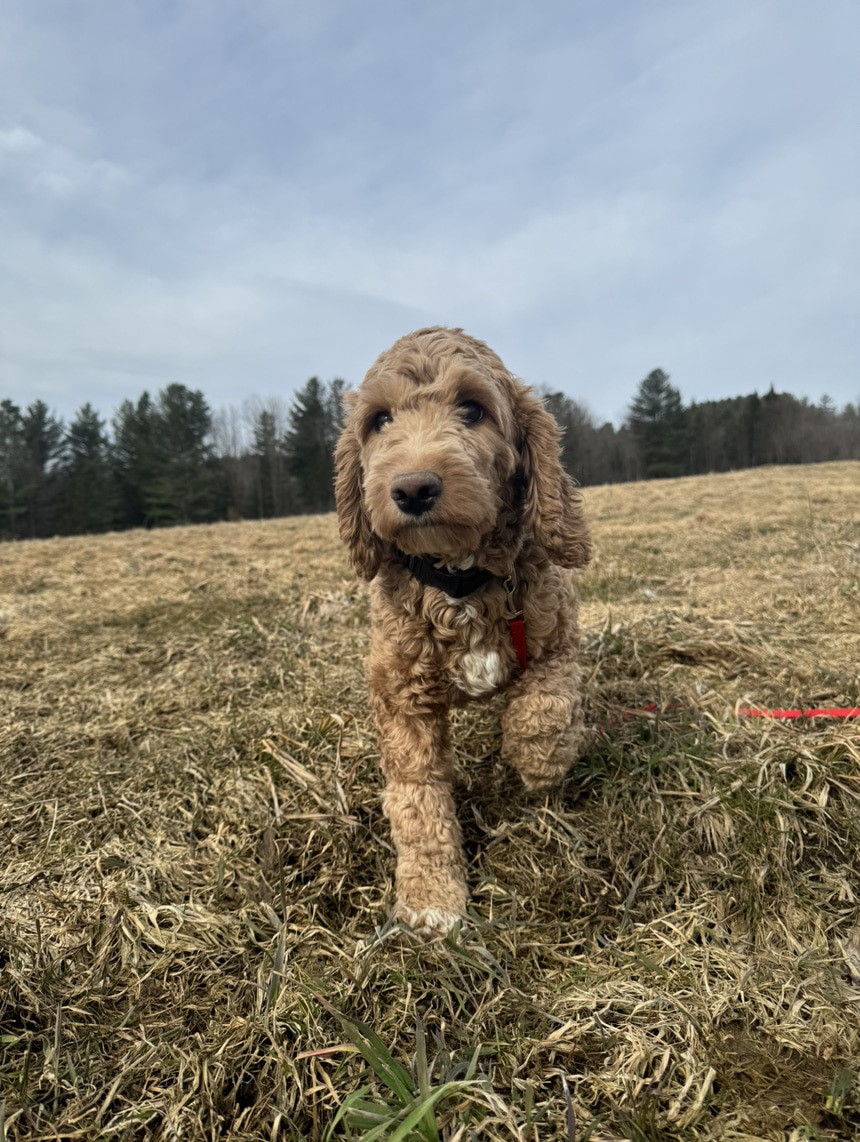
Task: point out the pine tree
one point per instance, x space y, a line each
309 444
656 420
12 468
134 459
43 448
88 486
183 485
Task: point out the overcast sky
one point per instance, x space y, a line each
239 195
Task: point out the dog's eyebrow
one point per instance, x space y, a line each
419 370
463 383
382 392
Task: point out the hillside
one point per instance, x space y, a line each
195 870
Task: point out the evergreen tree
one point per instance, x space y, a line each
657 423
12 468
309 444
43 437
134 459
183 485
782 429
750 428
88 491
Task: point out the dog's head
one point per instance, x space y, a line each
445 453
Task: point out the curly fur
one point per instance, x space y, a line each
505 505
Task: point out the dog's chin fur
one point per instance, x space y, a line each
455 542
507 506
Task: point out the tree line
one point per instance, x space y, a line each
168 459
661 437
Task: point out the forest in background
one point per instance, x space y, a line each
169 459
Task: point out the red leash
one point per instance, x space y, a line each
825 712
761 712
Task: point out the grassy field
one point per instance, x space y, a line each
195 872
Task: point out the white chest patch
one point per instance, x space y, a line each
480 671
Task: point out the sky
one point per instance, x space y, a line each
240 195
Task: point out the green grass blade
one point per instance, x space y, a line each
413 1118
343 1110
383 1064
422 1073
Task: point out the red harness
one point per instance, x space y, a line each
518 638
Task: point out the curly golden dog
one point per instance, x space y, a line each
451 498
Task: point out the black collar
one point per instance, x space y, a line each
456 584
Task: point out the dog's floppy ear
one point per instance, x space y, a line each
552 505
365 549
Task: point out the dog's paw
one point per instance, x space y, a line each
427 923
539 784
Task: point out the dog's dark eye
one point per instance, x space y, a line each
471 412
380 420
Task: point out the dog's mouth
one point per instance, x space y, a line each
453 543
413 530
425 519
436 513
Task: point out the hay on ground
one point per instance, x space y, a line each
195 871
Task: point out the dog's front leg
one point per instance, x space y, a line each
416 761
542 726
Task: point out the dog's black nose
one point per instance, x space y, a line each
416 492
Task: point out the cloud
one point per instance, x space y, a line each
34 164
240 197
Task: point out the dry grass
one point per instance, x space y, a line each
195 871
